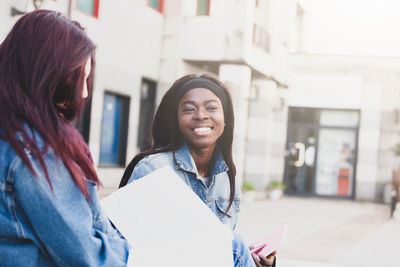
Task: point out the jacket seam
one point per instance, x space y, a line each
11 203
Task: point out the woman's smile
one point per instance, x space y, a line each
202 130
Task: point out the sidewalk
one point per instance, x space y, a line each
326 233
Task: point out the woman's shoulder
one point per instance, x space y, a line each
151 163
11 161
157 158
8 155
28 135
15 170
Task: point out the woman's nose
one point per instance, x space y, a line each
201 114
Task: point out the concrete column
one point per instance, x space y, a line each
278 134
238 78
368 143
260 133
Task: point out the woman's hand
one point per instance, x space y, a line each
262 261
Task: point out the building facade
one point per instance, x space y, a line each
346 107
144 46
322 124
244 43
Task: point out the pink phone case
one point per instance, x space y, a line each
269 243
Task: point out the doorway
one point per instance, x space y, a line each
321 152
147 108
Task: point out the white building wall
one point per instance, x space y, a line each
229 35
238 79
368 143
204 42
370 84
280 19
259 133
122 61
266 133
278 137
325 90
216 37
140 42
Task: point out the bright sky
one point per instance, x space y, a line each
355 27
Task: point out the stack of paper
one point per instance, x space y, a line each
167 224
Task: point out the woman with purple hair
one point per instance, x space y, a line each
49 212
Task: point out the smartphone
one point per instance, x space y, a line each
269 243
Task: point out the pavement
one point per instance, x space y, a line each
325 233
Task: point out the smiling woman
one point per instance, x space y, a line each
195 120
193 133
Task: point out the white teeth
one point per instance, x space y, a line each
202 129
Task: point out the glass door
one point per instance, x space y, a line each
321 152
335 164
337 144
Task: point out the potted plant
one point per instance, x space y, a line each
248 190
275 189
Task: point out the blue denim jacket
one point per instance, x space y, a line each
41 227
216 195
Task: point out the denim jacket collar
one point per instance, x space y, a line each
185 161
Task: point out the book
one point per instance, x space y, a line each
266 245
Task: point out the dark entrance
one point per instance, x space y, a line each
321 152
147 107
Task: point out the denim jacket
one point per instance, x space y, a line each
215 196
59 227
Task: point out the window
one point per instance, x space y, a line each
203 7
90 7
147 107
157 5
261 38
114 130
83 123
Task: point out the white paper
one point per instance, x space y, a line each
167 224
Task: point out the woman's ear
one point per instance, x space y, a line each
61 107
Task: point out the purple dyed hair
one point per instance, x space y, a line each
42 63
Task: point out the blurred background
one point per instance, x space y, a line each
315 85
